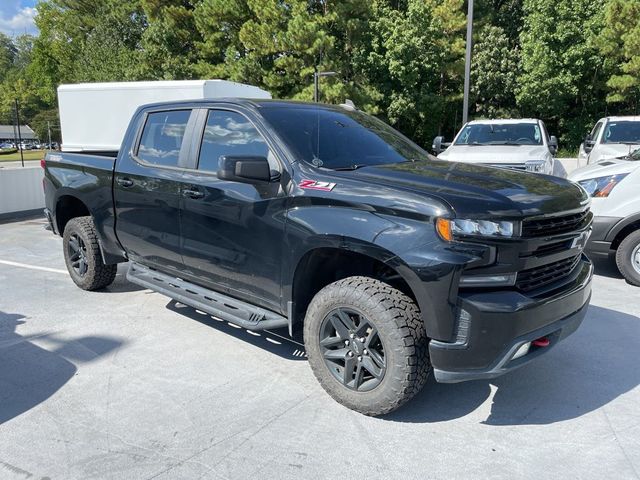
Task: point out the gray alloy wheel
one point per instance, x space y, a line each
366 344
82 255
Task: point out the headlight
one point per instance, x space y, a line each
538 166
485 228
601 186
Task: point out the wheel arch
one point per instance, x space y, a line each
623 228
322 265
68 207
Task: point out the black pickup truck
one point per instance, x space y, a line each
324 220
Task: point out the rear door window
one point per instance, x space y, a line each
162 137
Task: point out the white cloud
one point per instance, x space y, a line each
21 22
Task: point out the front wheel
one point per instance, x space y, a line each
82 255
628 258
366 345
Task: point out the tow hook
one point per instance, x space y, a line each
541 342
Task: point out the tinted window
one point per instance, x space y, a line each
340 139
622 132
596 131
500 134
229 133
162 137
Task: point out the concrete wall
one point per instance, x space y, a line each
21 189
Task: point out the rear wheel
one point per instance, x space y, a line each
366 345
82 255
628 258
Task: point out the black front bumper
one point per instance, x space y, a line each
500 322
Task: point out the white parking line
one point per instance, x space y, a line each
32 267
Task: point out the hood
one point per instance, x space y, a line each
611 150
603 168
479 192
495 153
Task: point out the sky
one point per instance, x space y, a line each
16 17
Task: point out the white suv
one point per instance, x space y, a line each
611 137
521 144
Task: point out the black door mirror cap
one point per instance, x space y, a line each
245 169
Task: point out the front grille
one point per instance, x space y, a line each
537 277
555 225
548 249
513 166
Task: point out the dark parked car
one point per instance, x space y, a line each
321 218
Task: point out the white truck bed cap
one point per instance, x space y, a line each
95 116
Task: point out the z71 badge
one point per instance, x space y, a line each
315 185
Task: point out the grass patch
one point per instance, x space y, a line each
28 155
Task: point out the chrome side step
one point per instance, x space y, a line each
214 303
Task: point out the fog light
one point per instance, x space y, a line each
522 351
464 325
501 280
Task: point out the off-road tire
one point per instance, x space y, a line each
401 332
624 259
97 275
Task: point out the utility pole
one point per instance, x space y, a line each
49 133
19 134
467 63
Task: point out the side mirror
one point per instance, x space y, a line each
588 143
244 169
553 145
439 145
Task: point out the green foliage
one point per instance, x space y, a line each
494 74
619 43
417 61
566 61
561 78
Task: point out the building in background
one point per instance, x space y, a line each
9 133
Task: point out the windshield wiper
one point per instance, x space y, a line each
350 167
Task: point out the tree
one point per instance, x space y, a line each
562 72
494 74
169 40
8 52
619 44
417 64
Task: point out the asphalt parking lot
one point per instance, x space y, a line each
127 384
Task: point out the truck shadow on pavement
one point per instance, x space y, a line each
588 370
30 374
277 342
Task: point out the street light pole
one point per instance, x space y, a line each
19 134
315 87
316 83
467 63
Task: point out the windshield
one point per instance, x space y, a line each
622 132
337 139
500 134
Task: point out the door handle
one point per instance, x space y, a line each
125 182
192 193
